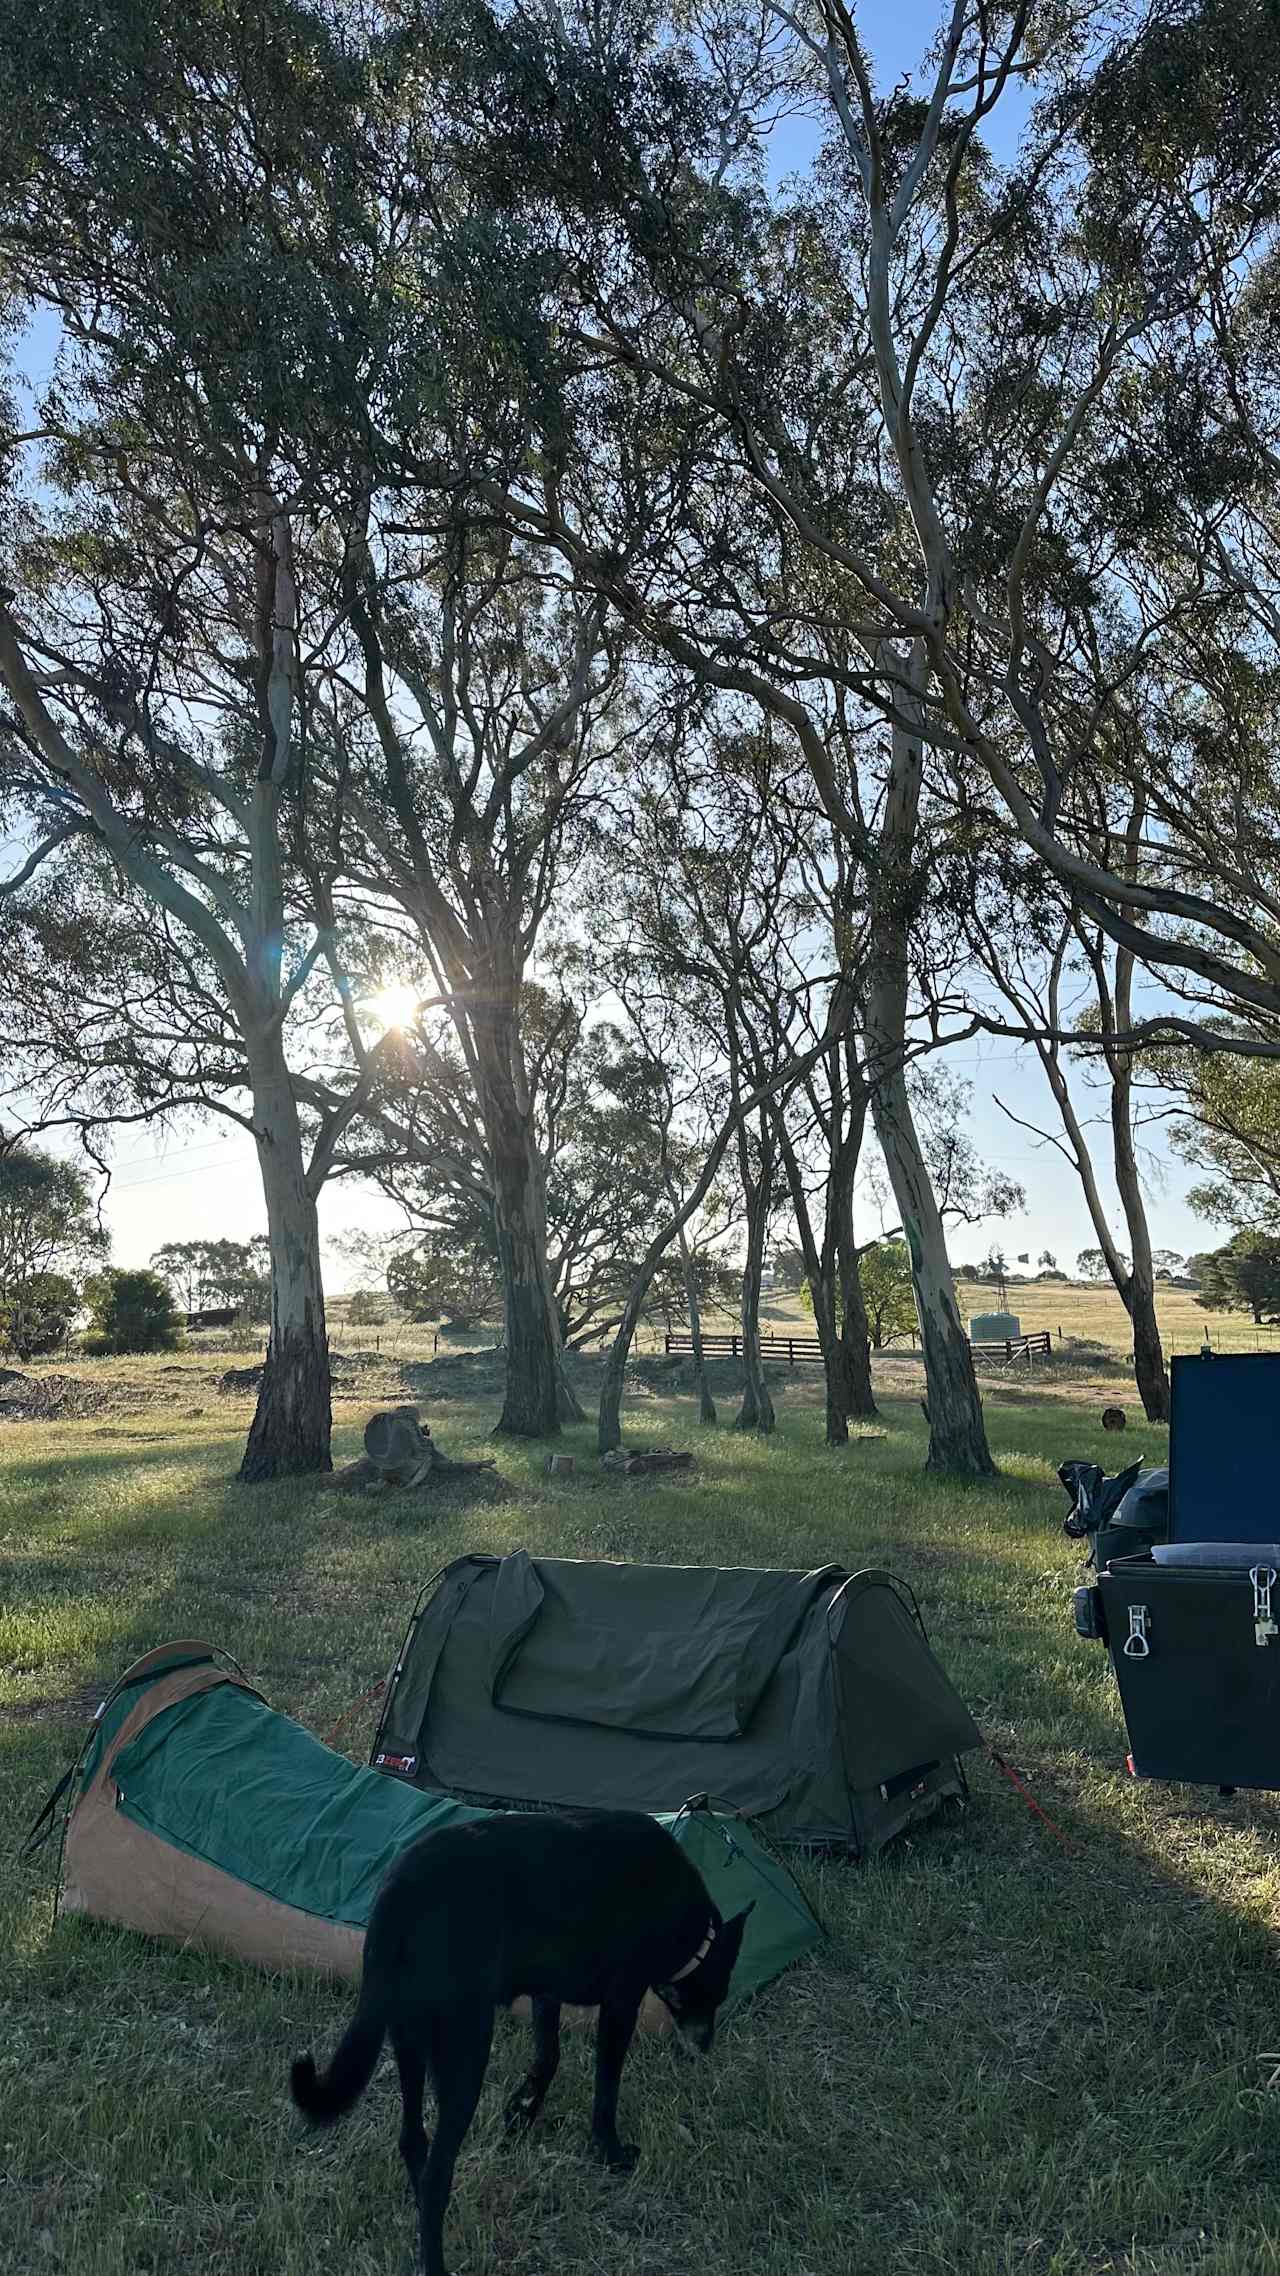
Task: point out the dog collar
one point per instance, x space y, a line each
698 1957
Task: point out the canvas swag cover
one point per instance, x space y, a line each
201 1815
810 1702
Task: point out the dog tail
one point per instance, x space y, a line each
322 2099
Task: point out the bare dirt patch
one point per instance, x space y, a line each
63 1398
76 1707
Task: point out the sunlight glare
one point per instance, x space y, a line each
394 1006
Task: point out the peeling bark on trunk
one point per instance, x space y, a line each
531 1402
290 1432
756 1412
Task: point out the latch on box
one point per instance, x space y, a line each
1264 1626
1136 1646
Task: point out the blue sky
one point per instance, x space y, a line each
204 1179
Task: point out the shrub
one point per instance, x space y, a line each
367 1309
36 1317
132 1311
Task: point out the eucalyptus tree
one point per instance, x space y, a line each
678 1079
747 902
211 209
1056 970
605 1151
185 209
1224 1115
681 926
489 714
50 1234
934 431
710 891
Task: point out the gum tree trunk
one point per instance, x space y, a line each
821 1275
609 1427
706 1404
290 1432
822 1289
537 1396
609 1418
756 1412
1138 1286
532 1400
957 1433
855 1339
1149 1368
855 1329
1133 1281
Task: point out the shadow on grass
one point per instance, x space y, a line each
1010 2059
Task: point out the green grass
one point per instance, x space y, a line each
1010 2061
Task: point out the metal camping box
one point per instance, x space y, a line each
1194 1629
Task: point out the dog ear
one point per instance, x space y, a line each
733 1929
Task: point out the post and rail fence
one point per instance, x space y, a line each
795 1349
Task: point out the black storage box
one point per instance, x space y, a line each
1194 1628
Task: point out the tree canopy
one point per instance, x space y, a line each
704 639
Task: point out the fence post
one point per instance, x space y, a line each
791 1350
734 1341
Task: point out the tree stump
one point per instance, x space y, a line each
399 1451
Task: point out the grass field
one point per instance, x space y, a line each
1082 1313
1010 2061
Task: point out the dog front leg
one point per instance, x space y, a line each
617 2023
524 2105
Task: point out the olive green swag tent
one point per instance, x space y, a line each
810 1703
199 1814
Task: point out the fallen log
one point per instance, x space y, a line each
642 1460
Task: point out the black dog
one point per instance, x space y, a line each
590 1907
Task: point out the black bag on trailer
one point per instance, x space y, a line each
1120 1516
1193 1623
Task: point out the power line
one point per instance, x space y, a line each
198 1169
